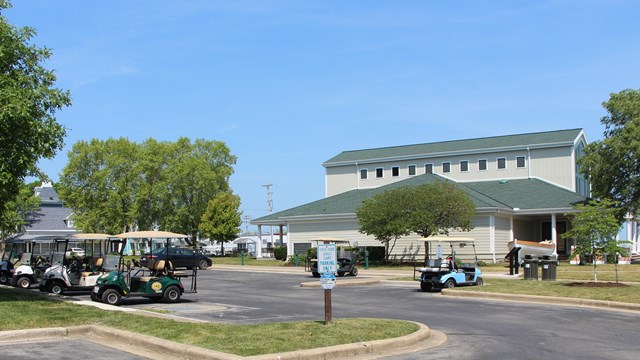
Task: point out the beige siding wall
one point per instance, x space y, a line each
502 236
554 165
407 249
341 179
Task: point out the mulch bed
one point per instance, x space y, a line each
591 284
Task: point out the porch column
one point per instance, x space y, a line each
554 235
492 237
259 243
281 240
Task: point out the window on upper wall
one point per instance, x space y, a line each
395 171
502 163
412 170
379 172
428 169
464 166
520 161
482 164
364 173
446 167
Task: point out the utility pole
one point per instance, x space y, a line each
247 220
269 207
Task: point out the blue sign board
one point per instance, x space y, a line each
328 281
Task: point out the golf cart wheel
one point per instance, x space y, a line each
479 281
315 274
449 284
56 287
340 273
112 297
425 286
171 295
203 264
24 282
354 272
4 279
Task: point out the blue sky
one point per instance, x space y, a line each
289 84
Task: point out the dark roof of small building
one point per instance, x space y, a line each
558 137
512 194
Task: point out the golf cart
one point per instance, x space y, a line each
70 273
346 261
7 264
31 269
157 280
442 273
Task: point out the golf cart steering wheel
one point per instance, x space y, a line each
136 263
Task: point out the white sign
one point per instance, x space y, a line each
328 281
327 258
439 252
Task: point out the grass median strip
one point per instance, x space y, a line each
27 311
569 289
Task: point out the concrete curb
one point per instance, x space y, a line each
556 300
341 283
156 348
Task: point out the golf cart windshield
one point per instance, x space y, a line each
25 259
111 262
57 259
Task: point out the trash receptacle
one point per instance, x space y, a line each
530 268
548 269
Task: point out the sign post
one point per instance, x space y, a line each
327 265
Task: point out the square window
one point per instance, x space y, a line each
446 167
363 174
482 164
395 171
412 170
520 162
464 166
379 172
428 169
502 163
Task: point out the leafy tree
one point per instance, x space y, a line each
195 174
222 219
428 209
99 183
15 213
384 216
440 207
28 103
612 164
594 228
116 185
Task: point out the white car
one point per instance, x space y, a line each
77 252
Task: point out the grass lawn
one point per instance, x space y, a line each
624 293
26 311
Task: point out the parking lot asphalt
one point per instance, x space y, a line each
258 295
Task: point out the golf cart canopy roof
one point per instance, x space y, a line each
449 239
89 236
150 235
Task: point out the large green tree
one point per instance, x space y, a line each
429 209
384 216
28 103
222 219
116 185
15 212
594 228
612 165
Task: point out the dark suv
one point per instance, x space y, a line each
179 257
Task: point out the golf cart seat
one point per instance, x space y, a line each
94 265
432 266
156 267
173 273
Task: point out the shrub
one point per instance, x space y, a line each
312 253
280 253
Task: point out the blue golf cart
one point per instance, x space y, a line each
444 272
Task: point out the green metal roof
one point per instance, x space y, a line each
479 144
520 193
